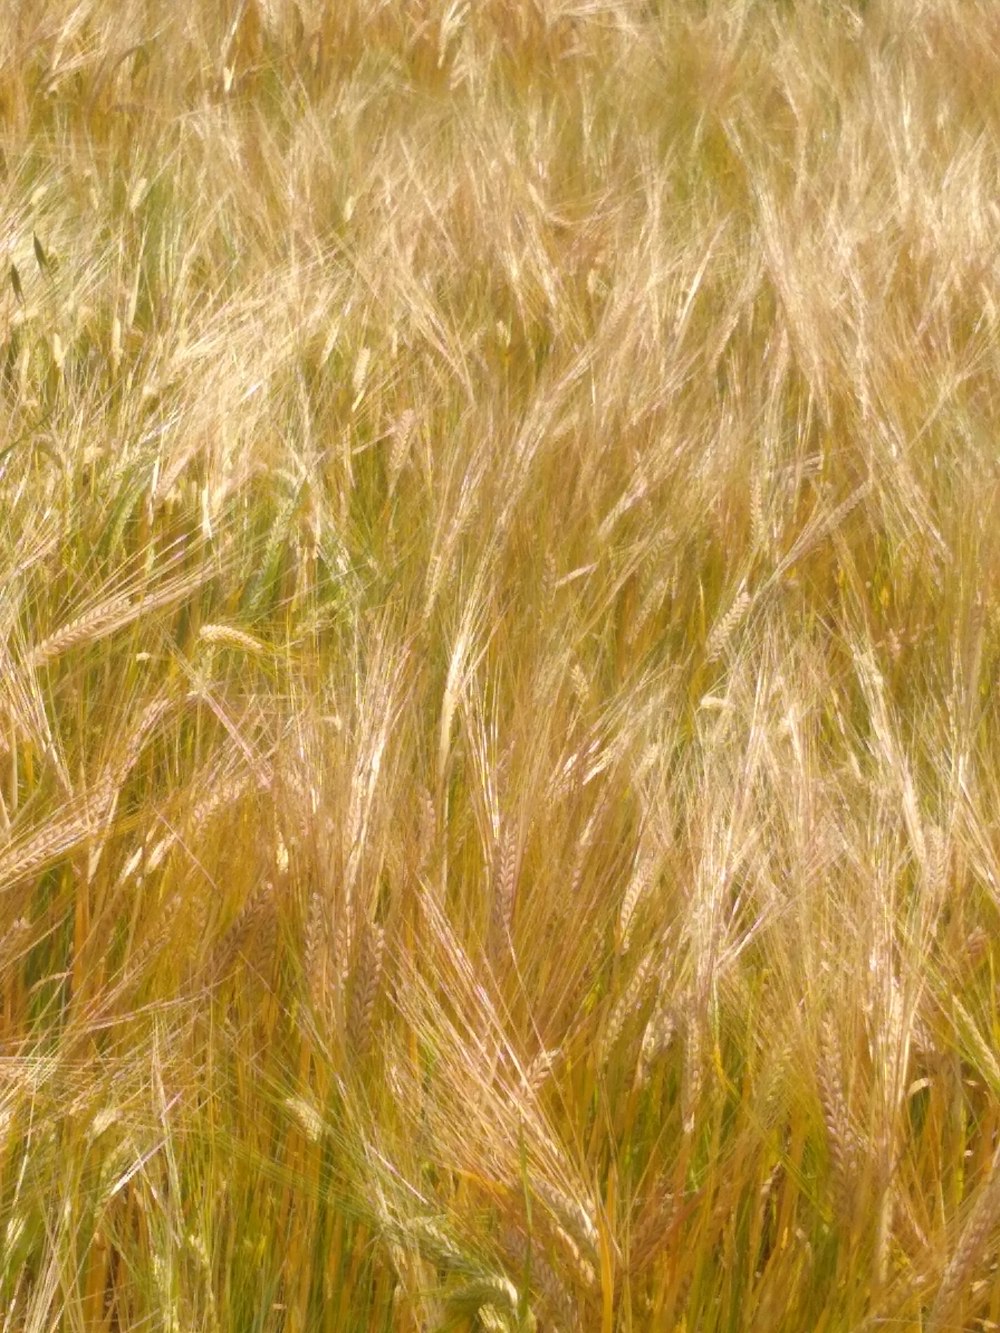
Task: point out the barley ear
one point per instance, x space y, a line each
366 983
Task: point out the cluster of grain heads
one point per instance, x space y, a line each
497 742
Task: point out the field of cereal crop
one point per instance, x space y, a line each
499 620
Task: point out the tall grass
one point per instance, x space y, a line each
499 615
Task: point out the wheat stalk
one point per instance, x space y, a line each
726 626
972 1245
842 1140
365 990
504 887
627 1004
638 886
228 636
29 855
111 615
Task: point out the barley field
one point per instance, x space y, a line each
499 622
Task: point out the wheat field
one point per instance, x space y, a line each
499 617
